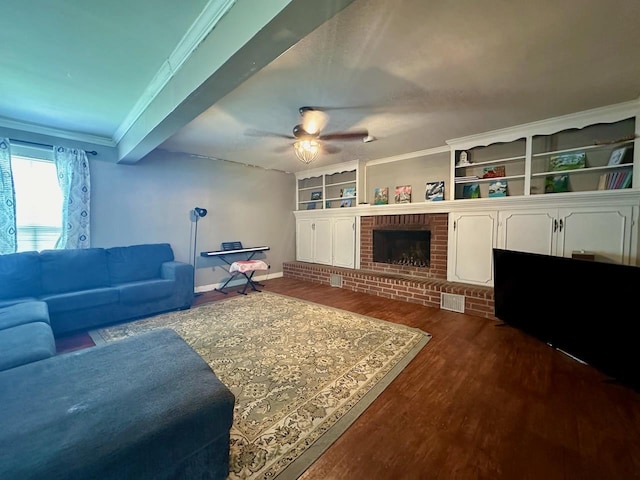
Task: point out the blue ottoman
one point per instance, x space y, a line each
146 407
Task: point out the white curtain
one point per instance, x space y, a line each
72 167
8 229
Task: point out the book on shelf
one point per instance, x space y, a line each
493 172
466 178
567 161
498 188
381 195
403 194
615 180
471 190
434 191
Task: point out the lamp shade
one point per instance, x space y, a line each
200 212
306 150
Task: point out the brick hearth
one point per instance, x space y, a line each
410 284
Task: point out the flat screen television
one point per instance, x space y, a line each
584 308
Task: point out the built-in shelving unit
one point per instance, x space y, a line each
584 152
334 187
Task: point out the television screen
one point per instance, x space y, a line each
581 307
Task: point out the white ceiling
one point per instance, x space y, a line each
131 76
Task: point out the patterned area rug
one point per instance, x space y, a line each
301 372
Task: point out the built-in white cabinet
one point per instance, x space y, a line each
344 242
603 230
327 240
314 240
472 237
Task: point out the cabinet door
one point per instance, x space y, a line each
322 241
344 242
529 231
304 240
472 236
604 231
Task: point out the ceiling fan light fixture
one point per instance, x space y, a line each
306 150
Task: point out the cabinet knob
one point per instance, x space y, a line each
560 224
555 226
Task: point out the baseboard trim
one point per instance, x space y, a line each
235 283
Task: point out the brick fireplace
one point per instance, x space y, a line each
416 284
436 223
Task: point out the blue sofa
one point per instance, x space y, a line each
88 288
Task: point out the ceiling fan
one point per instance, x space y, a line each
309 139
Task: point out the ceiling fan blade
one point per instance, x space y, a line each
330 149
354 135
252 132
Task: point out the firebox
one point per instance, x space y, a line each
402 247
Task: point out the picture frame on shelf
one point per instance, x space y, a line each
471 190
311 206
567 161
556 183
403 194
316 195
348 192
498 188
617 156
345 203
434 191
493 172
381 196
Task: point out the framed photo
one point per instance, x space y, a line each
349 192
556 184
617 156
434 191
498 188
316 195
381 195
493 172
403 194
345 203
311 206
567 161
471 190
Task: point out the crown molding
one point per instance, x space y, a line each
56 132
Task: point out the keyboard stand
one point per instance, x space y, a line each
246 268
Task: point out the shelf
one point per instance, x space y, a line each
340 198
482 180
582 170
603 146
350 182
310 188
491 162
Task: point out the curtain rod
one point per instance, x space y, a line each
46 145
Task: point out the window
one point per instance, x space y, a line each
38 199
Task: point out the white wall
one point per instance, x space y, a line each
151 202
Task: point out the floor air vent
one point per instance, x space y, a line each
335 280
449 301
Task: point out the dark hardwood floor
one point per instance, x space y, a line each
480 401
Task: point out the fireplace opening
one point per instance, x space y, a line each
402 247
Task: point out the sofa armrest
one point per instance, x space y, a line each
182 274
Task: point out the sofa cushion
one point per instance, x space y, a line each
137 262
65 302
26 344
149 290
21 313
15 301
20 275
72 270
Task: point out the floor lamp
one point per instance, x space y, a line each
198 213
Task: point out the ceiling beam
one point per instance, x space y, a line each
248 37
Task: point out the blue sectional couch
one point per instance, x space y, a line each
92 287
